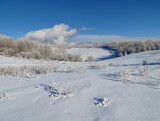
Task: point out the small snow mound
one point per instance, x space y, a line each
55 92
102 102
4 96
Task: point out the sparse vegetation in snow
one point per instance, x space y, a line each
143 70
124 75
4 96
89 58
102 102
57 93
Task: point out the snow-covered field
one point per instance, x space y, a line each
86 52
90 91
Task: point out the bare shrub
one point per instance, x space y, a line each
81 69
143 70
128 47
71 69
75 58
59 50
124 75
5 41
14 71
21 45
57 93
34 50
89 58
56 68
41 70
9 52
25 71
99 66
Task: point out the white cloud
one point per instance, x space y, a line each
86 29
58 34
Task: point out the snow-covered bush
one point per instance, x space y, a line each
71 69
124 75
41 70
75 58
9 52
89 58
128 47
56 68
25 71
57 93
143 70
29 71
99 66
34 50
15 71
82 69
66 57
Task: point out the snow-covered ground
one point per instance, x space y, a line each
86 52
31 99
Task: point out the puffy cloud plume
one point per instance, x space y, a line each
58 34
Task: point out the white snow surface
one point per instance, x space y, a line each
136 100
86 52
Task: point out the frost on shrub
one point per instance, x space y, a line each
75 58
30 71
81 69
124 75
71 69
56 68
89 58
128 47
9 52
143 70
55 92
66 57
99 66
25 71
34 50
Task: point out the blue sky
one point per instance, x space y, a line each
128 18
